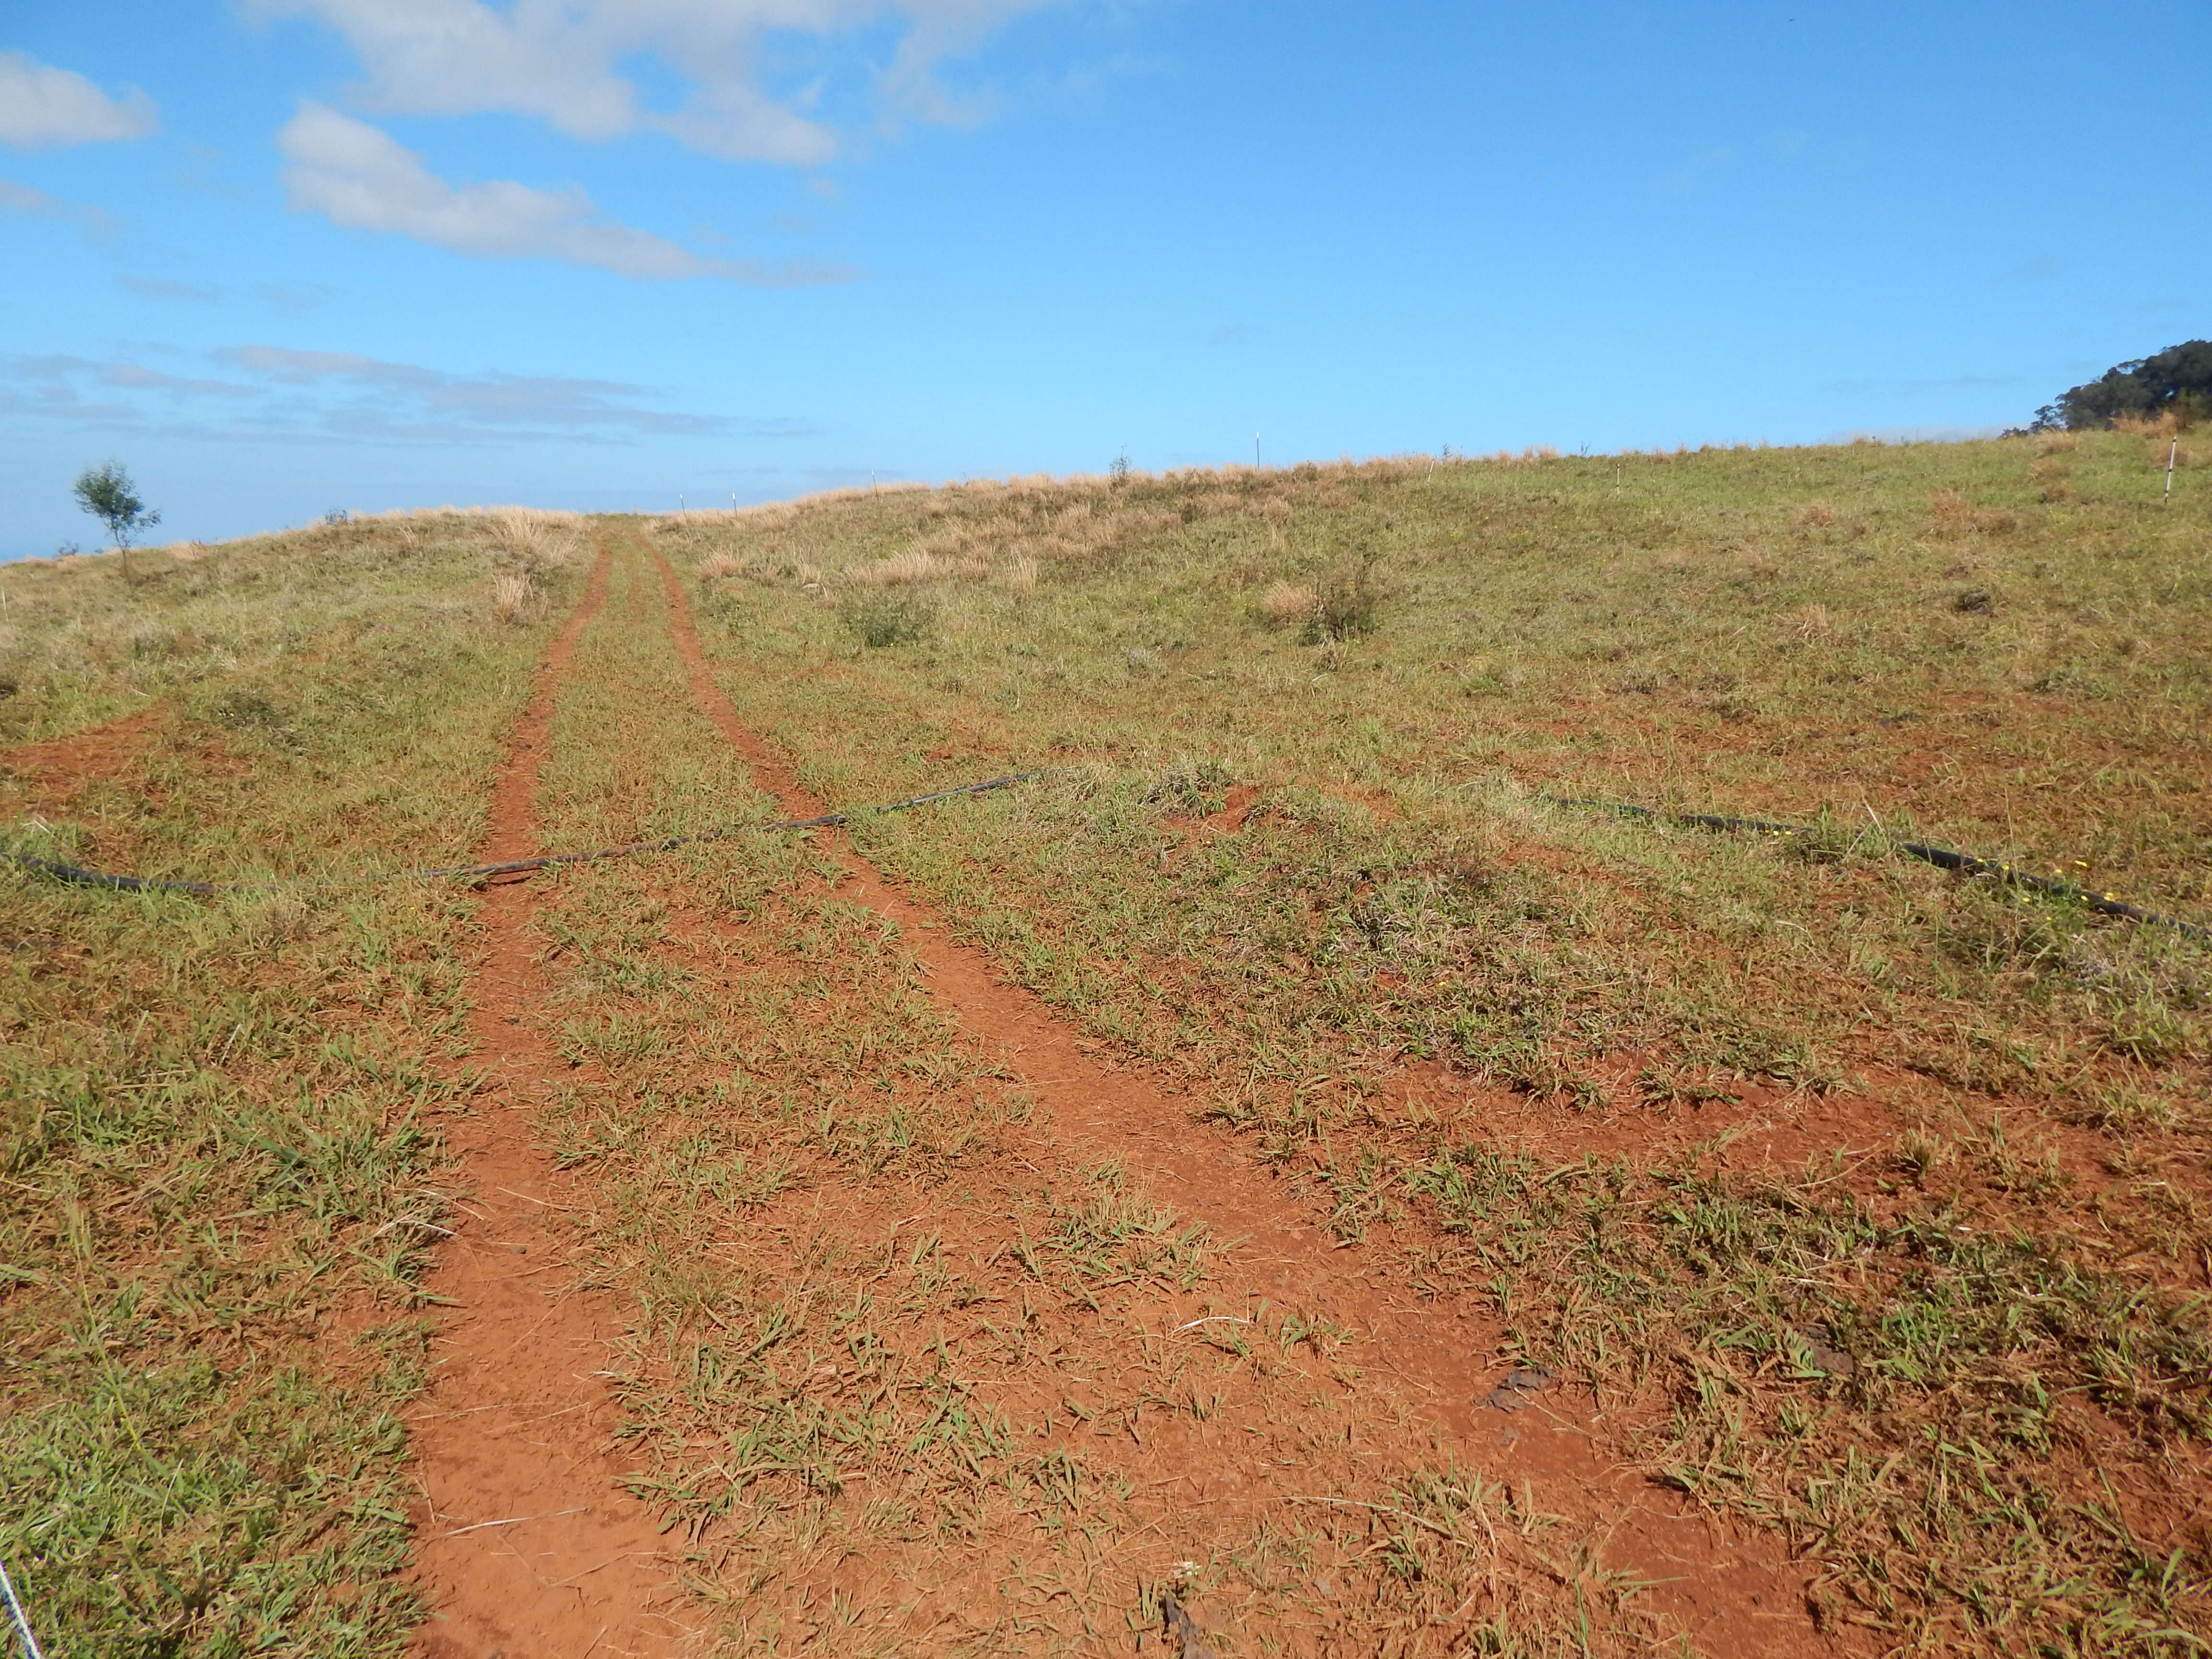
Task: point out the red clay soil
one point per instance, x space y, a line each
60 767
526 1545
1732 1592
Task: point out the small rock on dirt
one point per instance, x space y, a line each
1519 1391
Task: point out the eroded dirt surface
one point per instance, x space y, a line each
57 770
102 751
1431 1370
526 1544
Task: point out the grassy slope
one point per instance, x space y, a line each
213 1135
216 1157
1992 645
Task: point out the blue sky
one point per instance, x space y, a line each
281 256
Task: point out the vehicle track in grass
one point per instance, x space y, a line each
1731 1589
526 1544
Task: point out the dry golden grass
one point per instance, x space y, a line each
511 594
1286 603
2166 423
899 569
1813 622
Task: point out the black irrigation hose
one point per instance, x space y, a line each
1943 857
80 878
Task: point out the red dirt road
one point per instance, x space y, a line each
526 1545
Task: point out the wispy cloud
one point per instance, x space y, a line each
494 400
153 287
362 178
1689 174
42 108
1784 150
282 393
753 75
95 225
82 392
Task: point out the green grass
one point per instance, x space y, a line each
1993 645
218 1125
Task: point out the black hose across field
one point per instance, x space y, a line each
83 877
1943 857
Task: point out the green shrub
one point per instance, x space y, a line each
880 619
1344 606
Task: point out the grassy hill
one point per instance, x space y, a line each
1301 857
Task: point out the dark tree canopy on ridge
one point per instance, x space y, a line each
2178 378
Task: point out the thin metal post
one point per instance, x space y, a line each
2172 449
22 1619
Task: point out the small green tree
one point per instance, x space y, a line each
106 492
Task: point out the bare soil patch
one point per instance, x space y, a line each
61 767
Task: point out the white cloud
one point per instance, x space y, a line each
365 180
42 108
752 70
96 224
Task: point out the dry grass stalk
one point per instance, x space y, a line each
899 569
511 593
2166 423
717 565
1286 603
1815 515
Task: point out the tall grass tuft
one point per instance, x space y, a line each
1286 603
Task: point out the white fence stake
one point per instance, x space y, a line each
22 1619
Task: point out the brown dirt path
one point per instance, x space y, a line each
1731 1591
526 1546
